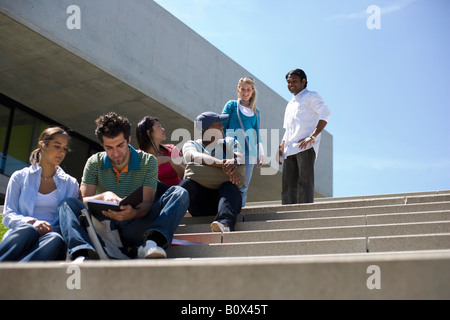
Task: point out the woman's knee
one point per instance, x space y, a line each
73 205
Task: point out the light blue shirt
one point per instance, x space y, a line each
22 192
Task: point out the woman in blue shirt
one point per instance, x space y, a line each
243 123
32 198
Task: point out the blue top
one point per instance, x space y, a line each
22 192
232 127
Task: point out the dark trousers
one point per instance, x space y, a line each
224 203
298 178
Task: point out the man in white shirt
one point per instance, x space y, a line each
305 117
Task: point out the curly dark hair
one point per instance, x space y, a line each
111 125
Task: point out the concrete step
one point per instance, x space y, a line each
352 198
329 227
324 250
400 275
270 248
319 232
305 212
328 203
314 246
202 224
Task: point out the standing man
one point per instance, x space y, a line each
305 117
112 175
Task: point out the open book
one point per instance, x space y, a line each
96 206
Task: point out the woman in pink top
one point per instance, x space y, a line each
150 135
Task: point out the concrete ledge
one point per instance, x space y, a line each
403 275
322 253
409 242
337 232
270 248
344 211
405 217
324 222
328 203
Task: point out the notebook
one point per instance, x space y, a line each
97 206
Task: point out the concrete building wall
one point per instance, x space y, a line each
135 58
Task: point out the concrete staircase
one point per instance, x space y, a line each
376 247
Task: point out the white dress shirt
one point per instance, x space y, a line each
301 117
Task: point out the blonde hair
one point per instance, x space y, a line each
253 97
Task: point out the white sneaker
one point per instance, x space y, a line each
79 260
151 251
217 226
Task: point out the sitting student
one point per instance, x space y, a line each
112 175
31 202
225 202
150 135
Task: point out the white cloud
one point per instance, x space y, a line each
397 6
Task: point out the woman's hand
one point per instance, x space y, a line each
42 227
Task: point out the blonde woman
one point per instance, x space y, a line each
243 123
32 199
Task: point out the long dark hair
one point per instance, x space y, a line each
144 137
46 136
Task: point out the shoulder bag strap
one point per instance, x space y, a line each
242 126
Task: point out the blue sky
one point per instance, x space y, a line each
388 88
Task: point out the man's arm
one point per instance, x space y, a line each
88 192
127 212
280 152
305 142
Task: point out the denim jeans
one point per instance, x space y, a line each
248 176
223 203
297 179
164 217
24 244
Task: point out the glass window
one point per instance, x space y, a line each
4 121
18 138
74 161
24 134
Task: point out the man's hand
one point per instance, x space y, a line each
229 167
108 196
280 156
305 142
126 213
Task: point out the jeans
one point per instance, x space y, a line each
24 244
164 217
223 203
297 180
248 176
